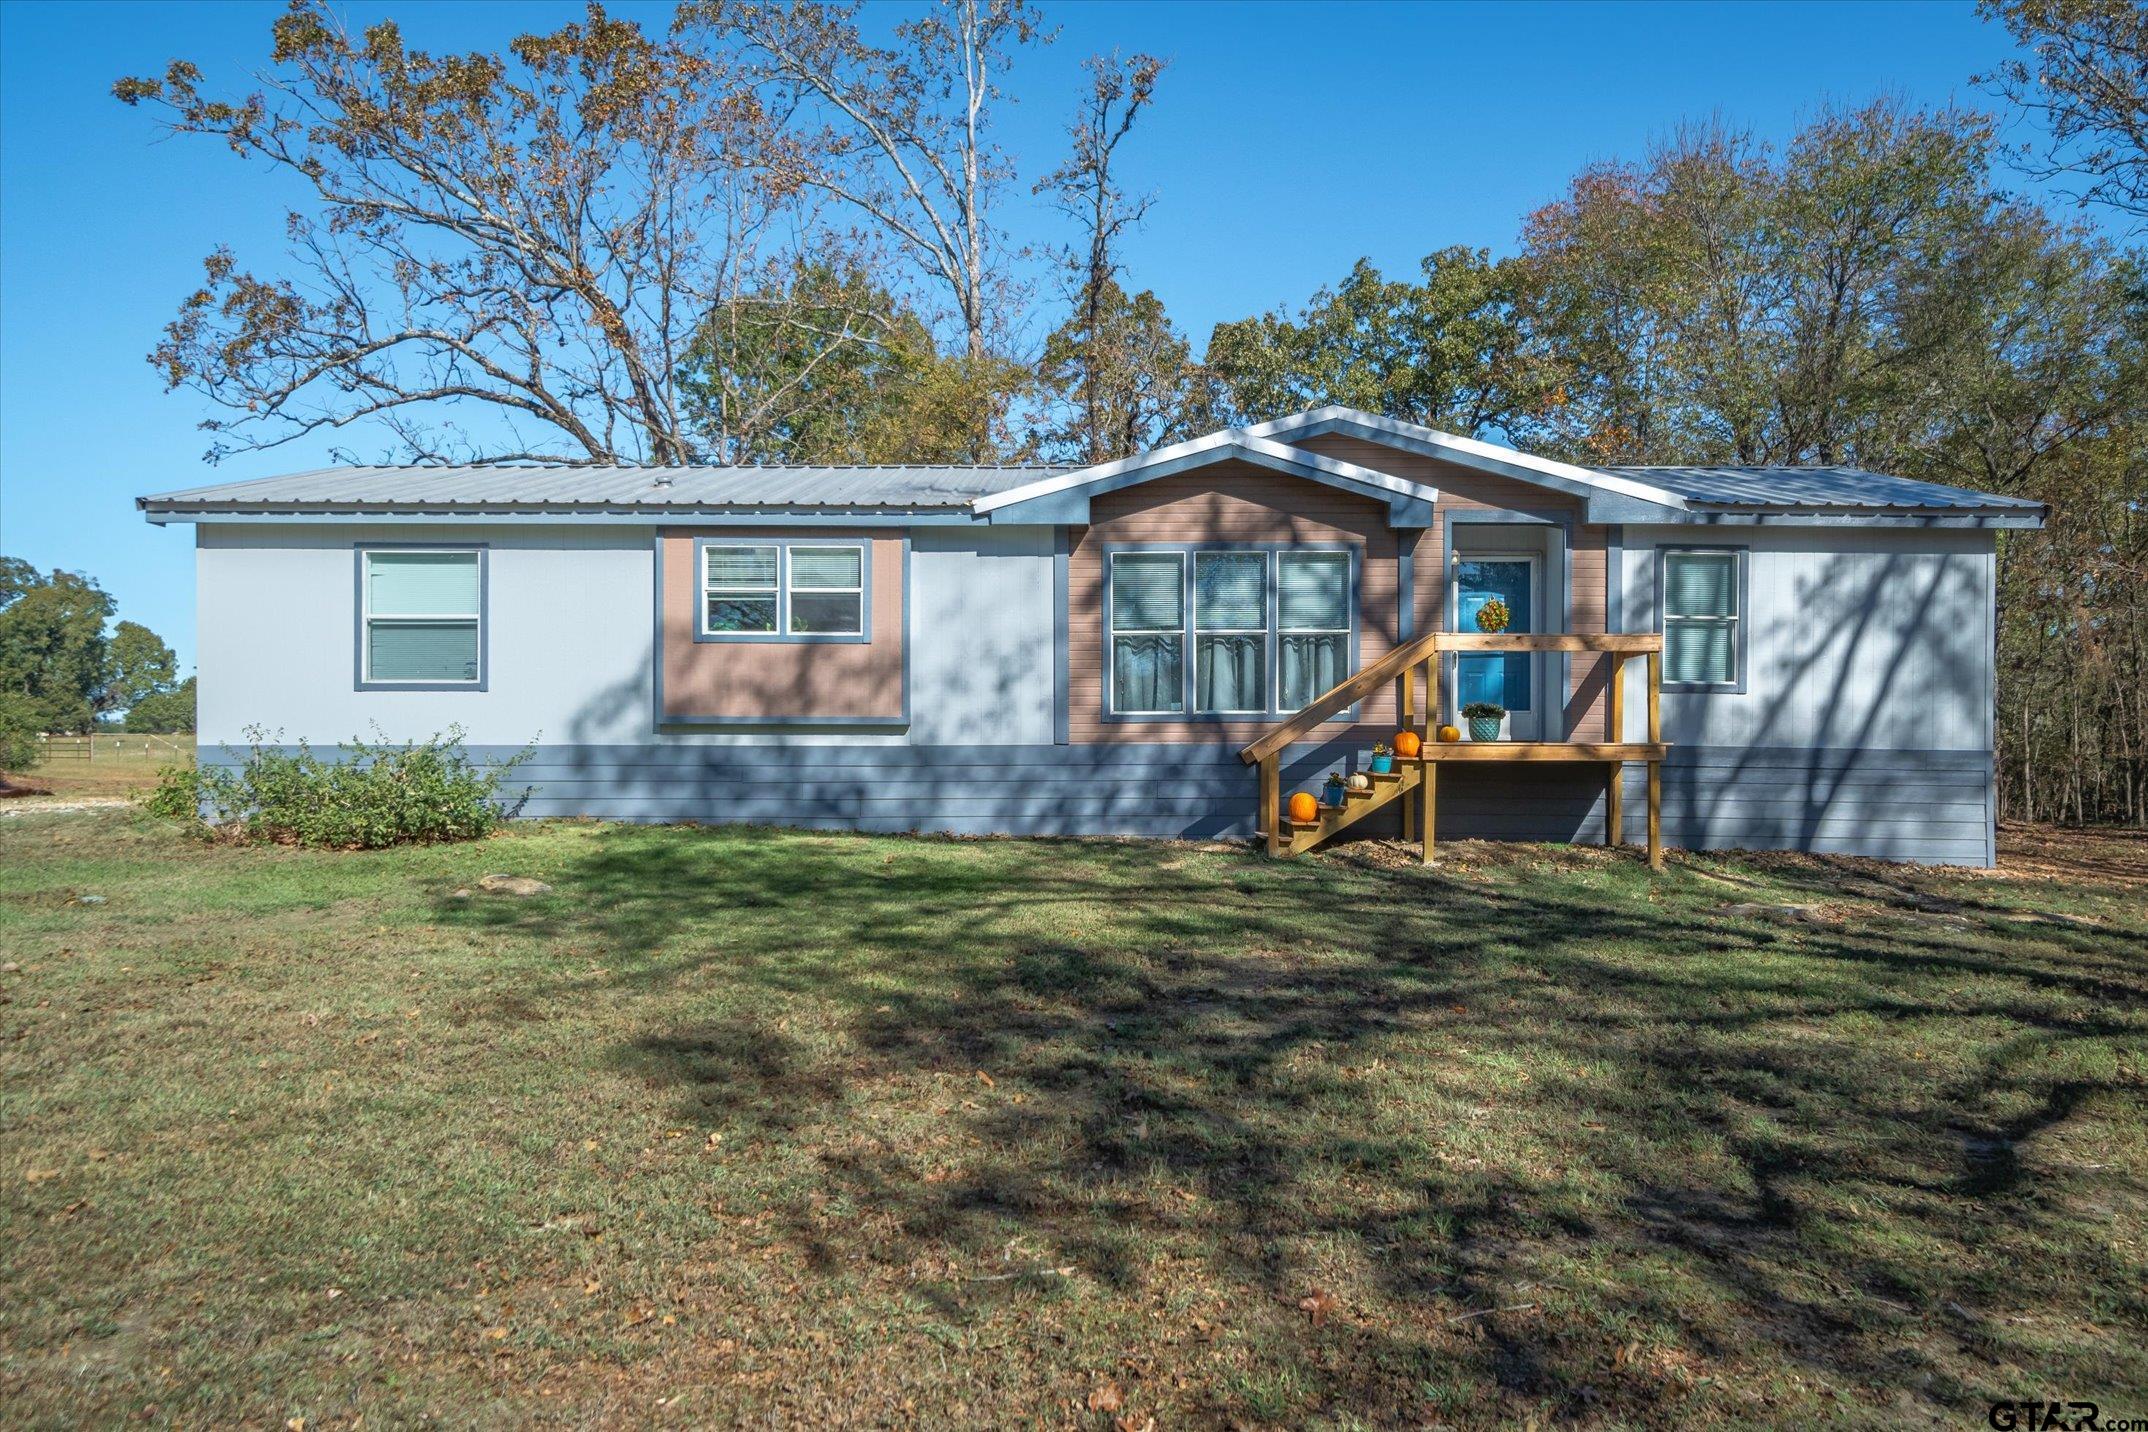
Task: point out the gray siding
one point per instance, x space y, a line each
1905 805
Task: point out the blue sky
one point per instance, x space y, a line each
1288 141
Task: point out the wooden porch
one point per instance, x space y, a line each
1415 780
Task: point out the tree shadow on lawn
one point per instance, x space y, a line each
1680 1148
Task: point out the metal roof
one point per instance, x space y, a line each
513 485
1814 487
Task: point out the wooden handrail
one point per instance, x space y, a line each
1343 697
1422 648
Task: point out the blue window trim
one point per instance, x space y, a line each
1354 586
1664 551
783 635
484 616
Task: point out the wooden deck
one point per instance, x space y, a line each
1420 774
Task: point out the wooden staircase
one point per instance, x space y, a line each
1420 774
1387 787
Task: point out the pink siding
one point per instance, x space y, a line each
1462 488
777 680
1229 502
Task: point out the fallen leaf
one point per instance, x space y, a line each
1320 1302
495 1333
1107 1398
1128 1424
987 1080
714 1138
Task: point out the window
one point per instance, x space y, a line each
1230 632
779 590
1268 629
420 614
1148 632
827 591
1700 618
1312 625
738 590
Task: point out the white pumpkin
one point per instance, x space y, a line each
1361 782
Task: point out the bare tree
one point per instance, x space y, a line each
2088 79
538 235
1085 190
902 131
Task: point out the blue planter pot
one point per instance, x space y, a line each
1382 764
1335 791
1484 728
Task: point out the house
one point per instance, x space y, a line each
1040 650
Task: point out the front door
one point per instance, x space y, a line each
1511 680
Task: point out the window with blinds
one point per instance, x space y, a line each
1701 620
421 616
783 589
1312 625
1148 632
1254 632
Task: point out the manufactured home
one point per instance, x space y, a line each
1167 645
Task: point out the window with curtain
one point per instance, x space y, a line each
1700 618
1148 632
421 614
1312 591
827 591
1230 632
738 589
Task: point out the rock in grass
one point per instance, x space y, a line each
89 899
513 885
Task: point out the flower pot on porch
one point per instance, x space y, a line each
1484 728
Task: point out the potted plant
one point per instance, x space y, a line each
1493 616
1484 718
1336 787
1383 758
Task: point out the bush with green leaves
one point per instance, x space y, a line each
378 794
18 732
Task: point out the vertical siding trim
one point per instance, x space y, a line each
1062 676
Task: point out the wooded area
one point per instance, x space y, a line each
763 235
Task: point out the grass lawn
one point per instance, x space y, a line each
832 1130
128 772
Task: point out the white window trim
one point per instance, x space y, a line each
773 591
1735 622
1113 631
367 618
1264 631
791 586
1282 631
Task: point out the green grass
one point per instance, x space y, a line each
749 1124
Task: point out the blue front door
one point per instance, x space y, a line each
1507 681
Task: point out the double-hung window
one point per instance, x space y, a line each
421 616
1312 625
1148 632
1701 620
783 589
1230 632
1253 632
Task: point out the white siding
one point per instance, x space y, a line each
1875 639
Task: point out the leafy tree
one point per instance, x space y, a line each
1124 379
2087 78
52 643
19 724
831 367
1446 350
162 712
138 665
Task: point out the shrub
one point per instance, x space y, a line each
18 732
381 794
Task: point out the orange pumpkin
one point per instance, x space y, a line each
1408 744
1450 733
1303 807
